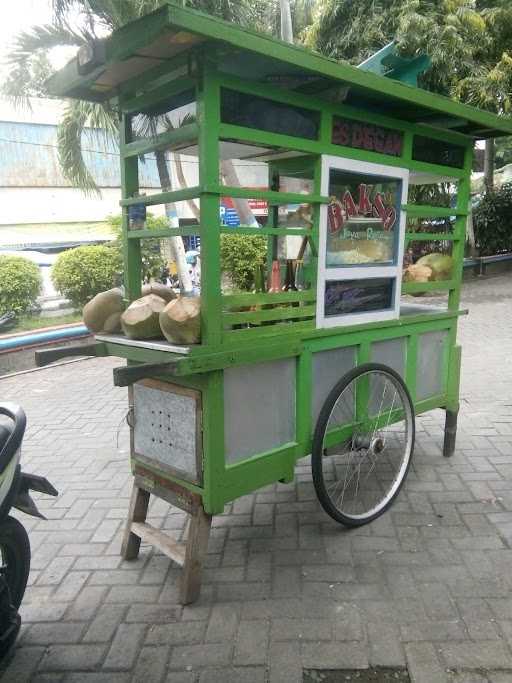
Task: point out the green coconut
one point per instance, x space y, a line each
166 293
103 312
441 265
141 318
180 320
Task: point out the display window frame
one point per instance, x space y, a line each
368 271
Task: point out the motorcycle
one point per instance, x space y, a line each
15 486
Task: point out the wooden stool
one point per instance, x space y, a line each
188 554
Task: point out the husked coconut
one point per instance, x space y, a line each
103 312
417 273
166 293
140 320
441 265
180 320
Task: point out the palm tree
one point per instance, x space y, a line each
102 17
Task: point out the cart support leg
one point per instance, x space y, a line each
450 432
188 554
139 503
197 546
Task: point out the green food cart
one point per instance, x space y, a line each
366 189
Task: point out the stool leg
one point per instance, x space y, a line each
450 432
138 511
196 548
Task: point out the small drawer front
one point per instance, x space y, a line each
167 428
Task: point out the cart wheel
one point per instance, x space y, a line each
363 444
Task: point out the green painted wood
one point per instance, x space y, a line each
270 196
422 211
169 140
129 186
430 237
411 364
250 298
208 119
162 197
263 231
438 286
163 232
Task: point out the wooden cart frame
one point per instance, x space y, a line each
175 56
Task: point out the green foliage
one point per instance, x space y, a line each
152 262
239 255
79 274
493 223
20 284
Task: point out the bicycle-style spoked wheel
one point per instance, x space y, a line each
363 444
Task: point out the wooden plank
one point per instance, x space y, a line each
231 300
271 196
165 543
196 549
424 211
164 232
262 232
163 197
168 140
430 237
137 512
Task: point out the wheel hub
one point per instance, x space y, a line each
366 443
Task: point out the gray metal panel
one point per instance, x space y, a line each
259 408
429 375
390 352
165 428
328 368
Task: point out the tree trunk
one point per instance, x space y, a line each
286 21
489 165
177 246
241 205
183 183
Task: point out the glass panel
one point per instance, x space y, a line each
358 296
363 219
264 114
437 152
428 261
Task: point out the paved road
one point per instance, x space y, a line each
428 585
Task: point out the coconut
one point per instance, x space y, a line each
417 273
103 312
180 320
441 265
140 320
166 293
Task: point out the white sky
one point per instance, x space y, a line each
21 15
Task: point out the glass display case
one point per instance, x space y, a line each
361 242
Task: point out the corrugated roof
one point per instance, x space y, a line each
146 43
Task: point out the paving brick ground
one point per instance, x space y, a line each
427 586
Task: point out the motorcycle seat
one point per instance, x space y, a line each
5 433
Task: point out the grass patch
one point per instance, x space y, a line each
36 322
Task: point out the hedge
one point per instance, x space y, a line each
20 284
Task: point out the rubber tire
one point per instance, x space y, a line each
15 547
317 452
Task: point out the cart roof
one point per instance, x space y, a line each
139 47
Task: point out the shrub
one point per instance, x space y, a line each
239 255
80 273
20 284
152 262
492 221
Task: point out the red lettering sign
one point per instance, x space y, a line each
348 133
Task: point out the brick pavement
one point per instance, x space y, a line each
427 586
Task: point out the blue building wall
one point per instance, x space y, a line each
29 158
